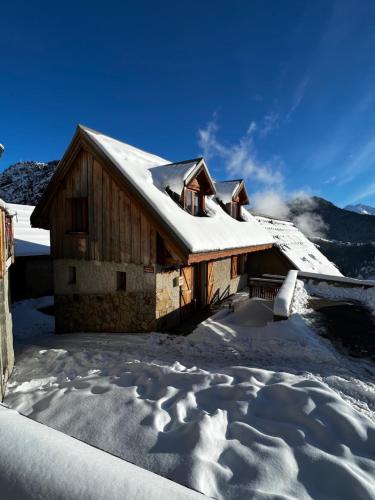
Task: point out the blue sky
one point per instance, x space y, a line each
281 92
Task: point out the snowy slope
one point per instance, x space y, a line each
28 240
304 254
197 410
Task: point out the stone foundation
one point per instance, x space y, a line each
112 312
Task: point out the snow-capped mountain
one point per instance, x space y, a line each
361 209
347 239
25 182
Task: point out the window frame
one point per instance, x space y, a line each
79 221
197 201
121 281
72 275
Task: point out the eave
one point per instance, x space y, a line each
221 254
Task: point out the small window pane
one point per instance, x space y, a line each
72 275
197 208
121 280
189 201
79 215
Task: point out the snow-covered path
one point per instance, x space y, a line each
234 411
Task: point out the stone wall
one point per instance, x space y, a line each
224 285
93 303
6 335
111 312
167 298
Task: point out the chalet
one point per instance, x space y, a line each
138 242
6 259
292 250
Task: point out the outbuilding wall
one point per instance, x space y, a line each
94 304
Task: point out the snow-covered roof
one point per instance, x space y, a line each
296 247
28 240
226 190
218 231
175 175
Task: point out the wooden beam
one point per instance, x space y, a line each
222 254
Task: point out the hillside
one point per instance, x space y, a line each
25 182
348 239
361 209
343 225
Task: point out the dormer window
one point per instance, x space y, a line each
194 202
187 183
232 196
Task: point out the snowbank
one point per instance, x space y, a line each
366 296
28 240
39 462
283 300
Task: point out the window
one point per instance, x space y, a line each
234 266
121 280
194 202
79 215
72 275
189 201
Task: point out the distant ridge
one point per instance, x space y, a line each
361 209
25 182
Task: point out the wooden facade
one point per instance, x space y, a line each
119 230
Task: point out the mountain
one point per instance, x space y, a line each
361 209
25 182
347 238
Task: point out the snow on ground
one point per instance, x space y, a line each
238 409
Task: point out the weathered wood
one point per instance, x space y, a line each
205 256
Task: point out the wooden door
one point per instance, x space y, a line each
187 291
210 282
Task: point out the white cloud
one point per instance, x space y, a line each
298 96
240 159
270 202
269 123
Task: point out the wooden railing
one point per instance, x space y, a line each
264 288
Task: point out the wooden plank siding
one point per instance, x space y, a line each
119 229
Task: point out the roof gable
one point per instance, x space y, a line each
232 190
134 169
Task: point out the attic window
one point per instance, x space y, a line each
79 208
194 202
